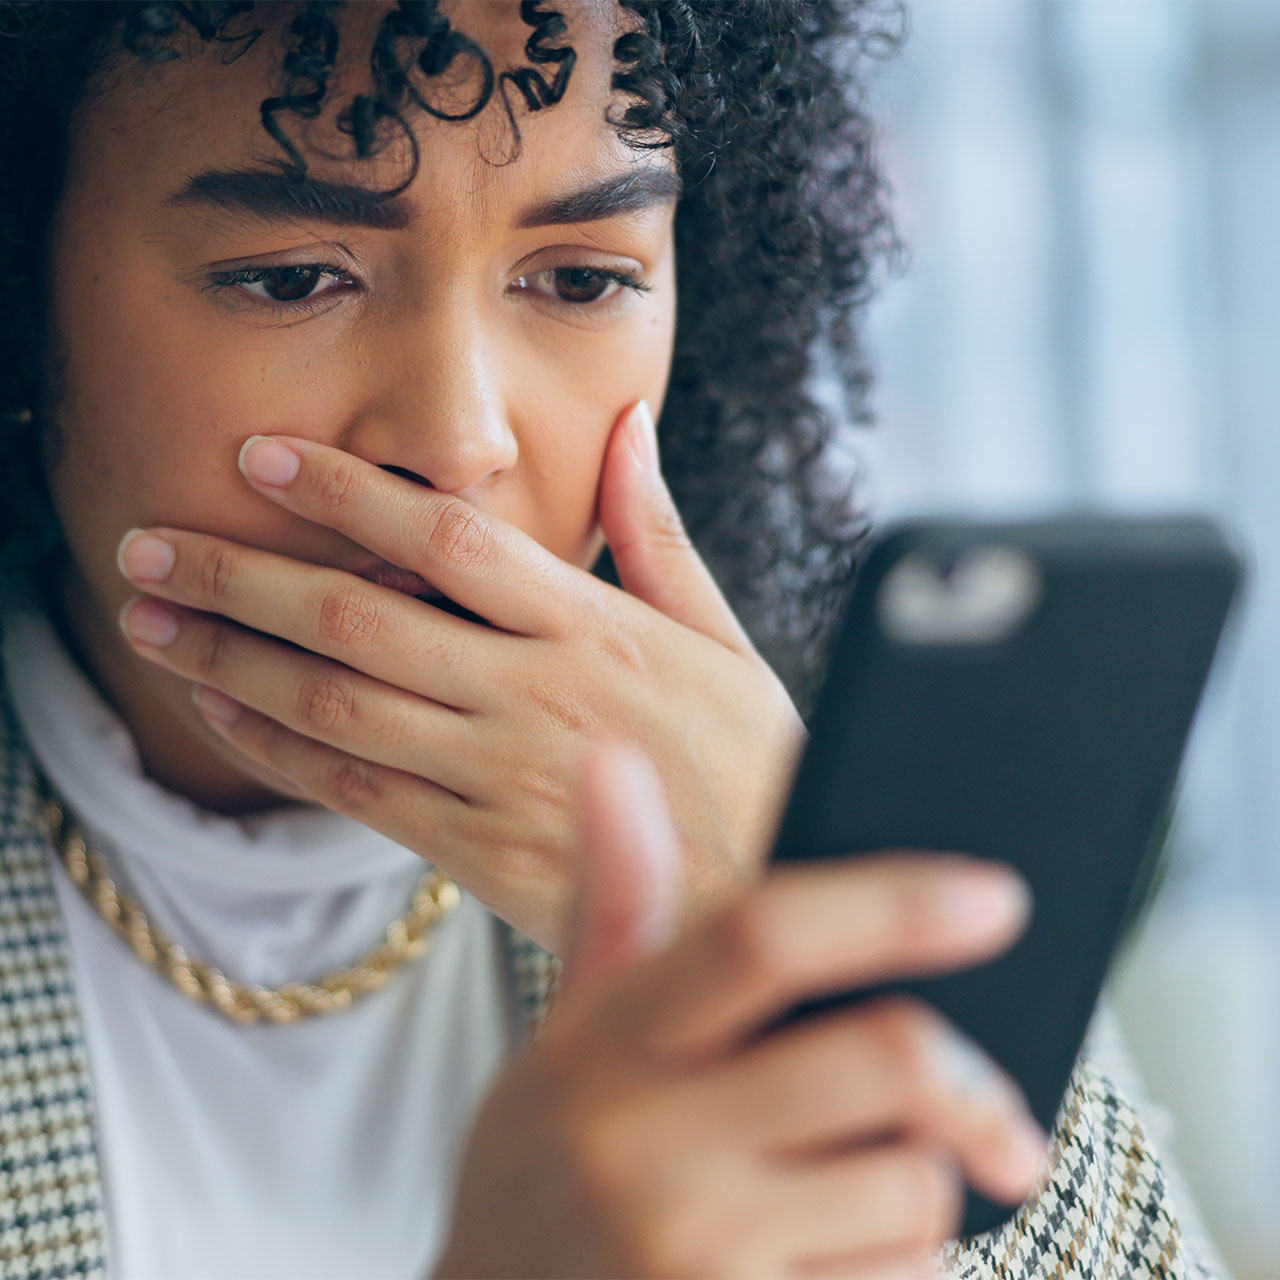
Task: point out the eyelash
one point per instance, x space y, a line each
220 280
623 279
256 275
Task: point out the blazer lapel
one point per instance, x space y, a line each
51 1217
534 974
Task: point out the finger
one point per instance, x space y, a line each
891 1066
409 809
907 1264
480 562
384 633
629 867
342 782
457 837
871 1204
817 929
655 560
313 696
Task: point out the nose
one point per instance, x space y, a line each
436 408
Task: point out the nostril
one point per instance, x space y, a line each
409 475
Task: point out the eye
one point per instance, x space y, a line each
284 285
580 286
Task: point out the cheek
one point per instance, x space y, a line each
129 404
152 406
138 450
563 444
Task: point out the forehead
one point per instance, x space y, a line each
153 125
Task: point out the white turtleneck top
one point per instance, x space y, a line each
325 1148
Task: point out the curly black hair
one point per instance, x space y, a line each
780 232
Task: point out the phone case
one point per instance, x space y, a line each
1022 692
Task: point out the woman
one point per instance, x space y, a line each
334 340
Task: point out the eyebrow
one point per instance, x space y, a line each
622 193
270 194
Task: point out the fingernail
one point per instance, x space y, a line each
215 703
644 436
268 462
143 557
150 621
986 897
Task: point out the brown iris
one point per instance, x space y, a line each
290 284
577 284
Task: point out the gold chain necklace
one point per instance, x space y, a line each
406 937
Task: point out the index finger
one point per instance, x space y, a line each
810 931
479 561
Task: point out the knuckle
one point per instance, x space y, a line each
458 536
512 856
521 858
339 486
326 701
752 939
618 643
542 787
666 529
908 1033
265 742
210 656
213 571
943 1080
902 904
932 1189
349 615
909 919
562 706
350 782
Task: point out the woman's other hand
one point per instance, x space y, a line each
651 1131
458 739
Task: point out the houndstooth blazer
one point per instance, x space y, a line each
1104 1211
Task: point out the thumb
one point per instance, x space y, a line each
629 869
655 560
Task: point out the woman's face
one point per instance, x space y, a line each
456 335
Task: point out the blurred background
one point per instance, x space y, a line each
1091 317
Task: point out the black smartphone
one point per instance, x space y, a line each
1018 691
